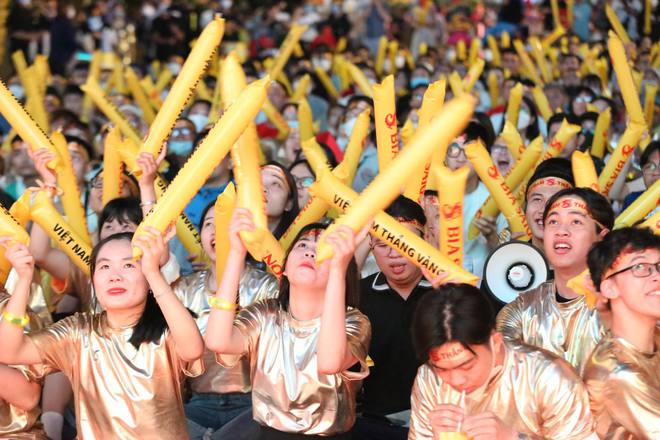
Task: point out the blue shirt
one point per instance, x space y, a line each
205 196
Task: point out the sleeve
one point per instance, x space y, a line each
358 335
171 270
421 404
59 344
626 399
509 321
249 321
564 406
192 368
501 223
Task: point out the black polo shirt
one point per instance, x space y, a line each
387 388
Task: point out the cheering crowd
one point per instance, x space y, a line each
207 278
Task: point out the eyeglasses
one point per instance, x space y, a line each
181 131
304 182
639 270
650 167
455 150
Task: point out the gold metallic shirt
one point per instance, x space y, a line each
288 392
534 393
624 389
570 330
194 293
120 392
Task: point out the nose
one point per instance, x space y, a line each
457 380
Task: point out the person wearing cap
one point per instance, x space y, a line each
474 383
622 374
553 316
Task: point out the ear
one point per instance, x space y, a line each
497 338
603 233
608 289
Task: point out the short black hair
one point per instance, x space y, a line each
452 313
476 130
122 209
553 167
406 209
604 253
650 149
557 118
83 143
598 206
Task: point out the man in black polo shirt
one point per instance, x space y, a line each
389 298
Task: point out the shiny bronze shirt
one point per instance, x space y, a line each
535 393
570 330
120 392
624 389
288 392
194 293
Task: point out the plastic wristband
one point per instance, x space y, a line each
147 203
20 321
222 304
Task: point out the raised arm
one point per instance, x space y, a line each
221 335
15 347
16 390
187 340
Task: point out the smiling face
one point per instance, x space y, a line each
207 234
569 232
502 157
637 294
118 280
537 195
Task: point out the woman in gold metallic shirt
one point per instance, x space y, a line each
474 385
623 374
126 364
308 348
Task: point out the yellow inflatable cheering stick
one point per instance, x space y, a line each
112 166
513 107
212 149
627 144
558 143
584 171
644 204
387 139
450 208
625 79
184 84
286 49
387 185
496 58
223 209
10 227
24 125
600 133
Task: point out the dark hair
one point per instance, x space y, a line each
604 253
406 209
452 313
152 324
598 206
303 162
557 118
122 209
204 212
650 149
287 216
476 130
83 143
352 275
487 125
553 167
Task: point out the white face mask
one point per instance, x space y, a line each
199 120
523 119
174 67
17 91
323 63
344 134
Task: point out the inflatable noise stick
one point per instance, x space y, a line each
24 125
584 171
185 83
397 236
513 139
112 166
456 84
139 95
353 151
326 81
312 212
627 144
600 133
360 79
513 108
505 199
517 175
223 210
10 227
527 62
493 88
387 185
551 38
305 120
450 207
558 143
473 74
212 149
301 90
652 222
314 155
649 102
644 204
495 51
542 103
625 79
286 49
387 139
380 55
70 198
35 99
232 79
277 119
582 285
45 215
616 24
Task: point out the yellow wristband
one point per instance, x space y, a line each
222 304
20 321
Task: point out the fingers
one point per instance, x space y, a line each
446 418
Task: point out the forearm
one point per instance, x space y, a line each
53 261
188 341
11 335
147 197
332 344
221 336
16 390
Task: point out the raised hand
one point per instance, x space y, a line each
19 257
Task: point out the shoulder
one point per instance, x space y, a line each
543 365
532 297
604 362
261 309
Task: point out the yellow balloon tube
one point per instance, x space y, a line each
387 185
600 133
625 79
411 246
652 222
353 151
644 204
513 139
327 82
517 175
94 73
539 57
232 79
579 285
473 55
584 171
212 149
506 201
493 88
542 103
554 7
314 155
94 90
393 48
616 24
45 215
70 198
360 79
163 80
513 108
312 212
649 102
461 50
223 210
184 85
271 253
496 57
20 64
139 95
112 166
505 40
276 118
10 227
387 139
450 207
24 125
456 84
527 62
301 90
380 55
473 74
305 120
551 38
286 49
558 143
627 144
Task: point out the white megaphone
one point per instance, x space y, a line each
513 268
